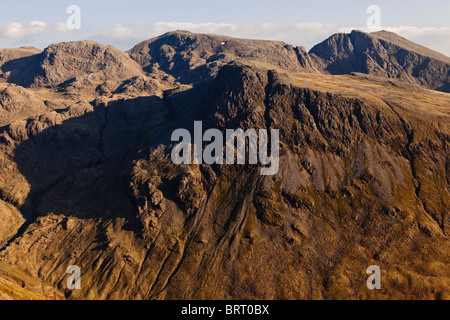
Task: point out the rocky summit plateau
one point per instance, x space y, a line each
86 176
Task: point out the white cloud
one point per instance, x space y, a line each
415 31
305 34
125 36
437 39
17 30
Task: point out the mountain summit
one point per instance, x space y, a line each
384 54
191 57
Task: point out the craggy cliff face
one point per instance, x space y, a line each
86 176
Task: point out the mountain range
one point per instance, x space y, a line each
86 176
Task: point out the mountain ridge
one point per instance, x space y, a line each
373 54
200 56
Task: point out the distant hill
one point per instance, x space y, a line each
384 54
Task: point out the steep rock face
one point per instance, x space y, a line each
349 194
12 219
16 63
16 101
11 291
81 63
386 55
193 57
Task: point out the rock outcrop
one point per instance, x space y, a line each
384 54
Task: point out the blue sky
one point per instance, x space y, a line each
125 23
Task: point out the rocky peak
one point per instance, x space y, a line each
188 56
384 54
87 59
